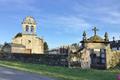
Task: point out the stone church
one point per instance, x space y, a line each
27 41
95 52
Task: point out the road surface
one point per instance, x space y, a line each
13 74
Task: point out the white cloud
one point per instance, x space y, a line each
27 5
68 23
109 15
106 13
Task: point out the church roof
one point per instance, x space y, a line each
95 38
18 35
13 45
39 38
29 20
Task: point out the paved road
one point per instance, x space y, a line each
12 74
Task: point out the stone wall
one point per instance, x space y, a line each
112 58
48 59
74 60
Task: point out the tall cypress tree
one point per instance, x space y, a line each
45 47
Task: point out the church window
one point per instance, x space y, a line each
27 28
32 28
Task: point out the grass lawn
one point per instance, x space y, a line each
62 73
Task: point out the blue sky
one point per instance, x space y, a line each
60 22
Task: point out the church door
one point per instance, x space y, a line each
93 59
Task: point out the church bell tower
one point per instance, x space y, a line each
29 25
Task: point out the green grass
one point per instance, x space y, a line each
62 73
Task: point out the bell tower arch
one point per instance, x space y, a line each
29 25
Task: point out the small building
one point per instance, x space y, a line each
54 51
65 50
61 50
115 44
95 52
14 48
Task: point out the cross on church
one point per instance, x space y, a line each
95 30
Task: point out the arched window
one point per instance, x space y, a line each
32 28
27 28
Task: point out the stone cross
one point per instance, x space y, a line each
95 30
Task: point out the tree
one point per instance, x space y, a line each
45 47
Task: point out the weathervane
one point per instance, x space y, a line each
95 30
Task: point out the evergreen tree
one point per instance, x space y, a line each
45 47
